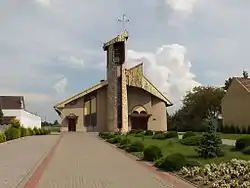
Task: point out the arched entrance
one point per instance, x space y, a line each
72 118
139 118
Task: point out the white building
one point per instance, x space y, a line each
14 107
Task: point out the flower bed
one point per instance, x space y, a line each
232 174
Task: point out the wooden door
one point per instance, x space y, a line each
71 125
139 123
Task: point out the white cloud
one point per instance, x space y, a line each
61 85
72 62
168 69
44 3
184 6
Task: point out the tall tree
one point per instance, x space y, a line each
198 104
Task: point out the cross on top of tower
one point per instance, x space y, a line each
123 20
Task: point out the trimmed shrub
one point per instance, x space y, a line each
159 132
136 146
149 133
106 135
243 142
246 150
114 140
191 141
174 162
152 153
136 131
2 138
139 135
188 134
171 134
12 133
159 136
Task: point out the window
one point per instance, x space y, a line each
90 118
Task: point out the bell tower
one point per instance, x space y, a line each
117 104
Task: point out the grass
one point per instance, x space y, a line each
170 146
225 135
53 128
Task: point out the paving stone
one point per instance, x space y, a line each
82 160
18 157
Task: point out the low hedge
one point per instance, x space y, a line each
152 153
167 135
243 142
191 141
136 146
12 133
172 134
174 162
149 133
188 134
2 138
114 140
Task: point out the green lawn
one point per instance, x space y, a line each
53 128
170 146
226 136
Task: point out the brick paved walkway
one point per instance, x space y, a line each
19 157
82 160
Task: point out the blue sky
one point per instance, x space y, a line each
51 49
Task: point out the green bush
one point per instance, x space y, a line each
106 135
114 140
174 162
139 134
188 134
246 150
12 133
191 141
30 131
243 142
152 153
15 123
136 131
2 138
23 131
136 146
171 134
149 133
159 136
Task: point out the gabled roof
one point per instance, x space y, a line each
134 77
12 102
245 82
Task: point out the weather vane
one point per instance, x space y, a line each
123 20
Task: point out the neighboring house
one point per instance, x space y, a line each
126 100
14 107
236 103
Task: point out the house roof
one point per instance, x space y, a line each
244 82
12 102
134 77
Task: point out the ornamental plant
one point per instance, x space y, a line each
210 143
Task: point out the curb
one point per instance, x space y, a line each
37 172
175 180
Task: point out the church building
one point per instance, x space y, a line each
126 100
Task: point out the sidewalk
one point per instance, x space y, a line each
82 160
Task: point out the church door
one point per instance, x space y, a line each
71 124
139 122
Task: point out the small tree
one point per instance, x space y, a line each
210 142
245 74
